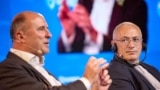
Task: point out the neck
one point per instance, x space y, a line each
131 63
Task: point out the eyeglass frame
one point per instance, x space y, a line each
126 40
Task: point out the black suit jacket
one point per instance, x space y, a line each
125 77
132 10
17 74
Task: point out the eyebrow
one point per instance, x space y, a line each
42 27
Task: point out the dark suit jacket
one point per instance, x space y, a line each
132 10
16 74
125 77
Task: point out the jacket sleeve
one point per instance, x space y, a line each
19 77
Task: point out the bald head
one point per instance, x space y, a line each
124 27
22 22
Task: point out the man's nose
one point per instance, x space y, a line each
131 43
48 34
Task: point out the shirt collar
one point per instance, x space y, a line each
28 57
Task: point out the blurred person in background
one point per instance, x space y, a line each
89 26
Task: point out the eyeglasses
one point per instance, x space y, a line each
126 41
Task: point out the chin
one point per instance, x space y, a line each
45 52
132 59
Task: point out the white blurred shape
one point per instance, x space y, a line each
68 79
51 3
70 3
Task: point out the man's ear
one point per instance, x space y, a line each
20 36
112 42
114 46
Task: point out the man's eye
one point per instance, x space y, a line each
123 40
41 28
136 39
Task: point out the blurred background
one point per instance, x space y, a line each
69 67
